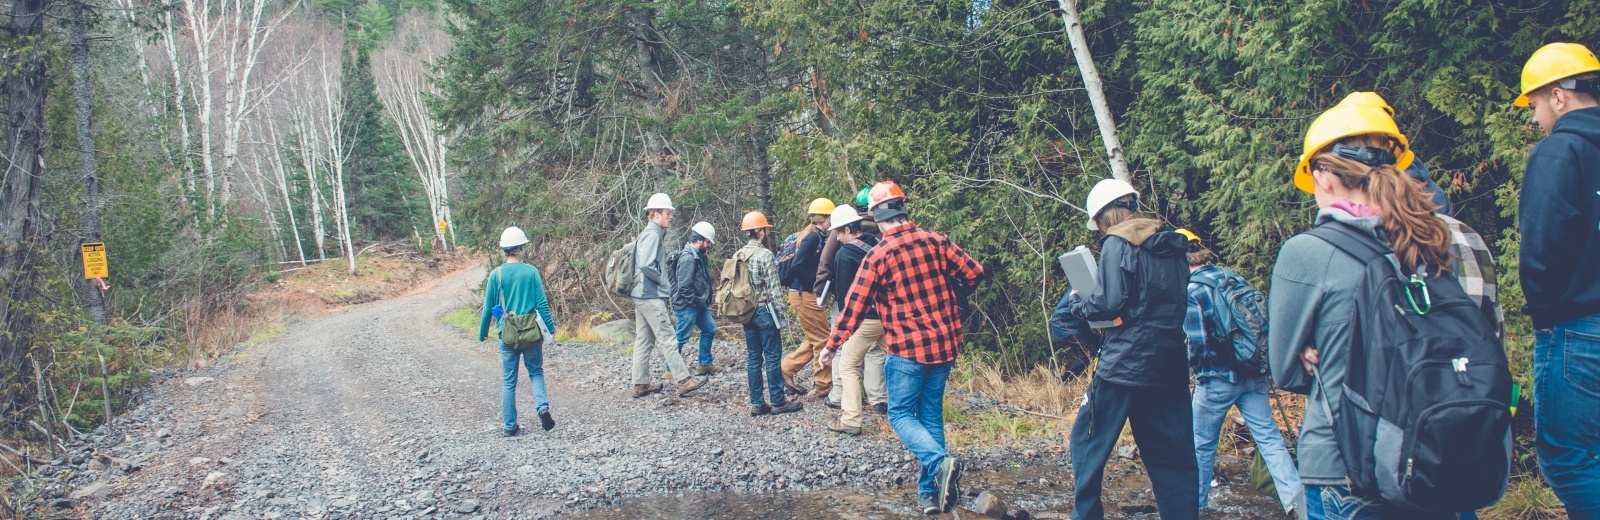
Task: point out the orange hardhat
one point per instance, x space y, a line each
883 192
754 220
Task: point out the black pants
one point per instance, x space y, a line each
1163 427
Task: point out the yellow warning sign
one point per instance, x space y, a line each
94 261
444 226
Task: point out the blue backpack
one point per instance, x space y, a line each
1241 344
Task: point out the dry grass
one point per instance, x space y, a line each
583 330
1528 498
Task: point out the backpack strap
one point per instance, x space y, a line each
1354 242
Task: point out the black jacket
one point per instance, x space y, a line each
1143 280
1559 215
691 281
846 261
802 269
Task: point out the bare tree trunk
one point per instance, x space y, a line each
21 158
275 157
180 101
1097 92
403 86
93 300
647 48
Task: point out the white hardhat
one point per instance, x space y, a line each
704 229
659 201
842 216
512 237
1104 193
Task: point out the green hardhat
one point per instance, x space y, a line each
861 196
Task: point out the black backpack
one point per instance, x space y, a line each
1425 421
1241 344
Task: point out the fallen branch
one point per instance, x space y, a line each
1040 414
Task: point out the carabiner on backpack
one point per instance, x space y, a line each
1421 285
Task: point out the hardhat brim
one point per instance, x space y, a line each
1302 172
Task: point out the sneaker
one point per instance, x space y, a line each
690 385
881 409
927 504
513 431
832 403
545 421
644 390
790 387
706 370
948 480
791 406
757 411
840 427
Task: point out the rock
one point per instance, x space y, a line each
342 503
1142 509
95 490
218 480
1017 513
96 465
127 466
467 506
62 503
197 461
1126 452
618 331
163 433
990 505
1032 454
1044 482
197 381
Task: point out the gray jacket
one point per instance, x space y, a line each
650 265
1311 304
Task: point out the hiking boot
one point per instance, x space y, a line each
840 427
927 504
791 406
881 409
690 385
644 390
948 479
706 370
790 387
832 403
757 411
513 431
545 421
822 392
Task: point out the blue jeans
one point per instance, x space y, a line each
1213 396
1566 393
764 359
916 411
533 358
1336 503
690 317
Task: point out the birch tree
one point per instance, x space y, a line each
1097 91
404 84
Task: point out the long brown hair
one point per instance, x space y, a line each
1116 214
1416 235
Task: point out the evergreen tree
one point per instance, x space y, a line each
385 200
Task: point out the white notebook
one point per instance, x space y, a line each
1081 269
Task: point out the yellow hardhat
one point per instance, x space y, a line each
1355 115
1367 98
1190 235
1553 63
820 207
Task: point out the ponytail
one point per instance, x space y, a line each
1417 236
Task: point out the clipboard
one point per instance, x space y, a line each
1080 268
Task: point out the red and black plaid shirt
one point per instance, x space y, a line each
908 277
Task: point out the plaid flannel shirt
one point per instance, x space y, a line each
1200 317
1473 264
763 272
908 277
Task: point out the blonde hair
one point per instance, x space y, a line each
1115 214
1416 235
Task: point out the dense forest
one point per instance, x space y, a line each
212 143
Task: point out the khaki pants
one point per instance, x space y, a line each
653 331
866 345
814 323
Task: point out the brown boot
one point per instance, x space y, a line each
690 385
706 370
790 386
644 390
